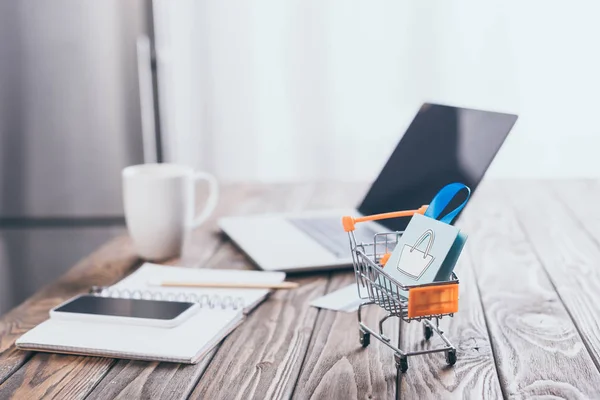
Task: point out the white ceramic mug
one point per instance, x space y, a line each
159 202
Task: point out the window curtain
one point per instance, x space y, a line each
304 90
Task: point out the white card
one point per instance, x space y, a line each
345 299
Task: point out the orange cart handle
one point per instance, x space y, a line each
349 222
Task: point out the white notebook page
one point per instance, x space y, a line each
185 343
147 274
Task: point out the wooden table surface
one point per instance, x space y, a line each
528 325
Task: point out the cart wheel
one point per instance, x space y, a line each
427 331
401 363
451 357
364 338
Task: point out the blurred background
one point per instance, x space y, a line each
263 91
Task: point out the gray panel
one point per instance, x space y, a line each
32 258
69 105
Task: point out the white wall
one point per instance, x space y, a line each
283 90
539 58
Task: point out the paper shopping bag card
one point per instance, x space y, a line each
421 251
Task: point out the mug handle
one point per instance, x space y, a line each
213 196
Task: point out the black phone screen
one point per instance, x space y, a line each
131 308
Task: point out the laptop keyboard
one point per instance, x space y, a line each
329 233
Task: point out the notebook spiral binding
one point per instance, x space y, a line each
208 301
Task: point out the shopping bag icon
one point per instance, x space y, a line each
429 247
414 262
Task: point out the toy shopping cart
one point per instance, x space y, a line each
427 303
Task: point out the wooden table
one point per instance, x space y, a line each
529 320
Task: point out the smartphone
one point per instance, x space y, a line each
157 313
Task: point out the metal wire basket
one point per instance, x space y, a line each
427 303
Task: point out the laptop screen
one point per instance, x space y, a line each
442 145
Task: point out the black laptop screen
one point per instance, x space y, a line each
442 145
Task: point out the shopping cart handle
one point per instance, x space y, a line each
350 222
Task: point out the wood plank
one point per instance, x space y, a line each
59 370
262 360
105 266
261 357
337 365
132 379
149 380
527 321
474 375
580 198
270 368
571 256
68 377
114 260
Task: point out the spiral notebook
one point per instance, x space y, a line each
222 311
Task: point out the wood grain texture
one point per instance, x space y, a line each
548 233
105 266
336 363
336 366
569 253
580 198
129 379
55 376
262 358
526 318
474 375
344 379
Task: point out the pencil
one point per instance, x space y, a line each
227 285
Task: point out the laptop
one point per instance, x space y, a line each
443 144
